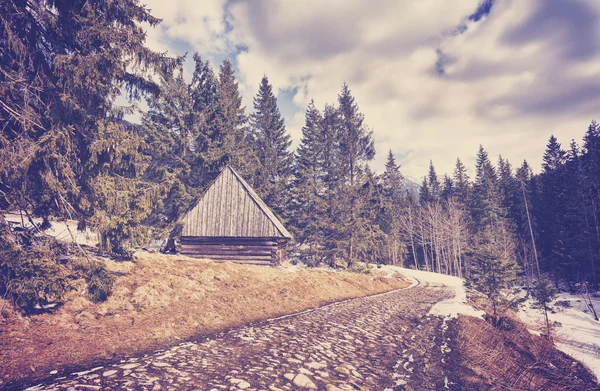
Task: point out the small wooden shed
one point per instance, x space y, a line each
231 223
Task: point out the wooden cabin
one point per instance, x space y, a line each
231 223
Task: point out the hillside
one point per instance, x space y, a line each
428 337
158 300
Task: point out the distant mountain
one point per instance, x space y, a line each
411 185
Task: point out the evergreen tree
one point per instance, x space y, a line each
554 156
392 206
433 183
574 229
590 196
63 66
392 180
169 127
509 191
335 240
448 191
551 210
485 203
356 141
180 129
233 144
521 217
367 234
272 146
310 207
356 150
424 193
203 94
493 275
543 294
462 187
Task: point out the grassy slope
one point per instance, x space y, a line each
492 359
159 300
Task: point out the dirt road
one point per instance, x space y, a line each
384 342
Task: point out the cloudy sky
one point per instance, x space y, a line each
434 78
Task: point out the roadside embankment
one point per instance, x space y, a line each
159 300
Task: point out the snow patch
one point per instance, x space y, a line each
450 308
576 333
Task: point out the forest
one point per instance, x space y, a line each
66 152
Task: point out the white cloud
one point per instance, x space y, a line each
510 80
200 24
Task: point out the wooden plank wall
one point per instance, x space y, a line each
259 251
226 209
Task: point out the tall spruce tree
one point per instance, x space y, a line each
493 275
356 141
63 66
485 203
392 183
425 193
521 218
357 149
368 238
234 142
509 191
433 183
550 209
272 143
462 186
310 205
180 131
335 239
590 189
448 191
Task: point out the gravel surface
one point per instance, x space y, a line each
383 342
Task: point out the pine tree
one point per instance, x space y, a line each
169 128
122 199
366 232
424 193
509 191
448 190
392 180
356 141
335 240
554 156
485 203
180 131
574 229
521 218
493 275
272 146
310 205
63 66
590 196
202 91
234 142
433 183
392 183
356 150
551 210
461 183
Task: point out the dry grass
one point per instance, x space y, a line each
158 300
516 360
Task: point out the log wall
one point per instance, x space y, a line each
257 251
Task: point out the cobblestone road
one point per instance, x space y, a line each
385 342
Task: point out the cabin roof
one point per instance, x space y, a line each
231 208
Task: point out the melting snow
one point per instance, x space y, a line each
577 333
449 308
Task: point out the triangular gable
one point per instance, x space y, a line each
230 207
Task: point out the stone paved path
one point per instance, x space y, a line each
385 342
